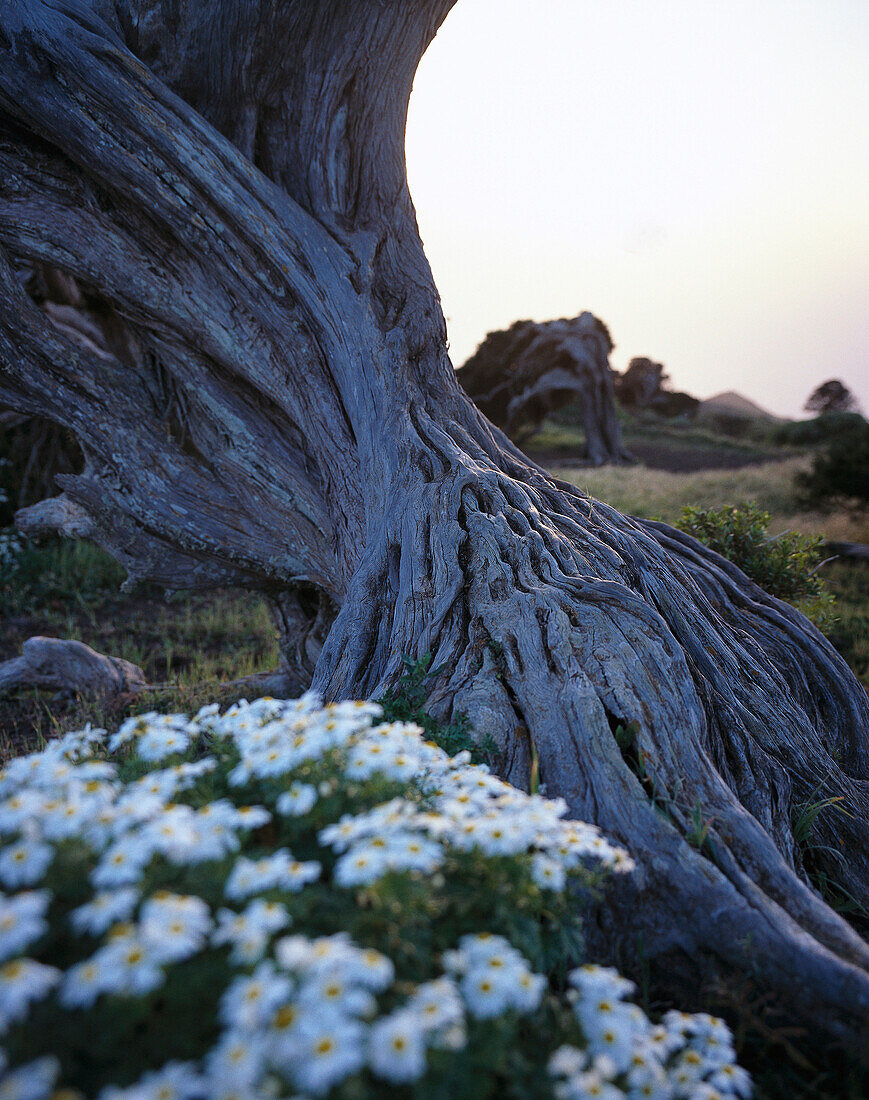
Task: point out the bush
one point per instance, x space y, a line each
809 433
784 566
840 472
292 898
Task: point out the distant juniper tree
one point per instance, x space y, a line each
831 397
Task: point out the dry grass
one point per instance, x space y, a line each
660 494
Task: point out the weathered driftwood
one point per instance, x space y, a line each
517 376
859 551
277 409
69 666
55 516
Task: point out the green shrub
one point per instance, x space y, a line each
288 898
840 472
784 565
406 702
822 429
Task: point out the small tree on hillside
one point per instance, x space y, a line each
831 397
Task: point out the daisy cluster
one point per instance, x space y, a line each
688 1056
304 888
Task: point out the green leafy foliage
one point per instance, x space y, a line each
34 574
406 702
784 565
840 472
809 433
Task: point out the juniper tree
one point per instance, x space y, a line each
253 358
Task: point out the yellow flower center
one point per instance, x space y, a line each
285 1017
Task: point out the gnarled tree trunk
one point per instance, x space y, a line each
271 404
519 375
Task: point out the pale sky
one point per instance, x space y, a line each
694 172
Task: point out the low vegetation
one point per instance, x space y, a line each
785 565
287 898
771 489
191 647
839 475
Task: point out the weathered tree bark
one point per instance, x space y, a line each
276 409
69 666
517 376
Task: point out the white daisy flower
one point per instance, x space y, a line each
331 990
603 981
238 1059
361 866
298 874
396 1048
567 1061
23 981
249 876
248 932
107 908
368 968
297 801
250 817
33 1081
175 1081
25 862
548 873
19 808
160 742
130 966
83 983
250 1002
22 920
731 1079
528 990
485 994
123 863
437 1004
409 852
329 1049
173 926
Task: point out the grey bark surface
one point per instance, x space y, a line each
268 402
517 376
69 666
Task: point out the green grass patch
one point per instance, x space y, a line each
189 645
